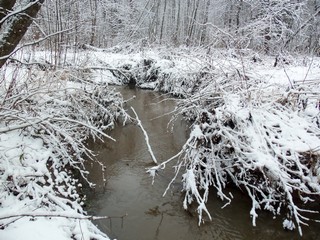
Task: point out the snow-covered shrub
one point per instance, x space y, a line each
258 135
45 122
264 139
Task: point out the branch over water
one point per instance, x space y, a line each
146 136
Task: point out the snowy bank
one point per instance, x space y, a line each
254 125
257 127
46 117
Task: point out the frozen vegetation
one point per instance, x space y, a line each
254 119
254 125
46 117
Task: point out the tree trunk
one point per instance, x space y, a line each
203 33
153 27
94 9
192 22
5 7
16 27
162 21
239 8
177 22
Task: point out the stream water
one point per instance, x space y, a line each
127 189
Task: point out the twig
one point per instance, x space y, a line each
288 78
308 71
85 125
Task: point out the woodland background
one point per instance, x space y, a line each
267 26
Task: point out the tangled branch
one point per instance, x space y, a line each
261 139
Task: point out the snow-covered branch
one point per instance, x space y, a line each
15 127
145 135
256 136
44 125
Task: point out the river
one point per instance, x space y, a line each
124 188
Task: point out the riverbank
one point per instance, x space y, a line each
127 189
46 117
255 125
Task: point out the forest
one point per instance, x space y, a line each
245 74
267 26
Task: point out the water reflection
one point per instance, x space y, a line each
128 188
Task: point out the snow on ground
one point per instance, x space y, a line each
238 87
174 65
24 190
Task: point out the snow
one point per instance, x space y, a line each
42 229
246 116
42 133
196 132
274 117
26 158
288 224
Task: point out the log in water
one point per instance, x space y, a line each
127 188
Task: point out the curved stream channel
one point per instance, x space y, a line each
127 188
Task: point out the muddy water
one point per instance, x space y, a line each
127 189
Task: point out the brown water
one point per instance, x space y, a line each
127 188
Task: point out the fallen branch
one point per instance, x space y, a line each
261 144
146 136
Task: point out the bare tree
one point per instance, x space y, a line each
257 24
